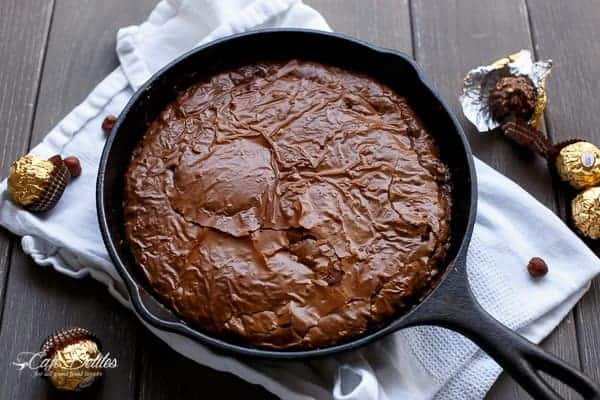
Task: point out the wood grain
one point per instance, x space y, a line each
24 26
40 301
385 23
569 35
80 52
452 37
168 375
448 38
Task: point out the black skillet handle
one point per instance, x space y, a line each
453 306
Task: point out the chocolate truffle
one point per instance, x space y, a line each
585 209
579 164
512 96
70 356
288 205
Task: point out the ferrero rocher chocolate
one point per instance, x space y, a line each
579 164
512 96
585 210
72 359
491 92
28 178
37 184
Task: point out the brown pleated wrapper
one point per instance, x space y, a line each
574 159
525 135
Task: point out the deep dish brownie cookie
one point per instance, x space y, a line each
288 205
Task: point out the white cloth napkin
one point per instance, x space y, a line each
417 363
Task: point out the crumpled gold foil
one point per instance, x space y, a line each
585 209
479 81
28 178
70 369
579 164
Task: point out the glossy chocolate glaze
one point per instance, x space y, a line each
289 205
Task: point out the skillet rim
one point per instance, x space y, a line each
455 265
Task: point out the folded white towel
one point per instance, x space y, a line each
417 363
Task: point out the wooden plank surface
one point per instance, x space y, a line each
166 375
450 38
80 52
21 56
569 35
385 23
24 26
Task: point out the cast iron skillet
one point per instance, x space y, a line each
451 304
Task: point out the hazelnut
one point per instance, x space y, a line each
537 267
108 123
73 165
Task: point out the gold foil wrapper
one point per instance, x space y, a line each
71 367
38 184
540 105
579 164
586 212
28 179
479 81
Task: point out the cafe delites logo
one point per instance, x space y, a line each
71 359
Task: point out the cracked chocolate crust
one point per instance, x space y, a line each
288 205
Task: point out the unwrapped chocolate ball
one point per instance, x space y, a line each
517 85
579 164
71 359
37 184
585 210
512 96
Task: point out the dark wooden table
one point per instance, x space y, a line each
53 52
